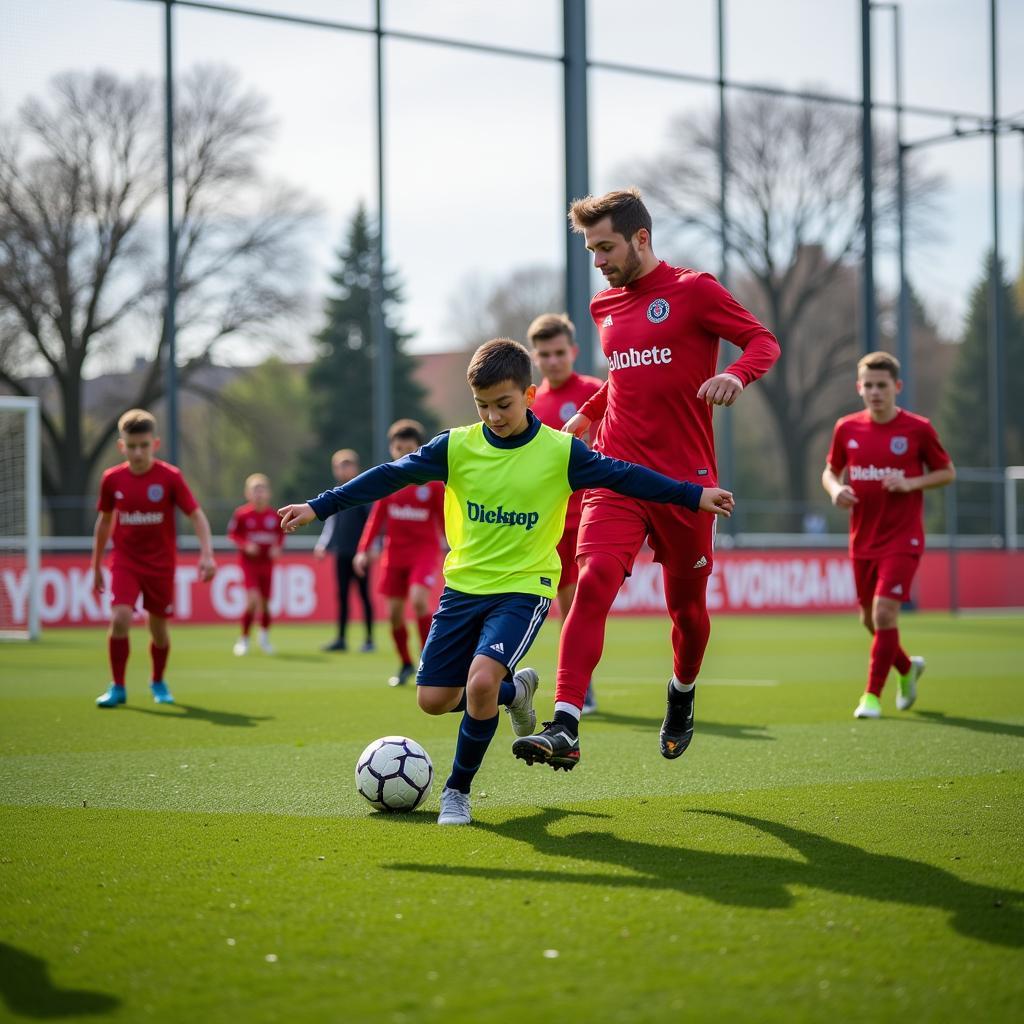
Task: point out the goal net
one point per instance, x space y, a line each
19 518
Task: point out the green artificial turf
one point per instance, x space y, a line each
212 861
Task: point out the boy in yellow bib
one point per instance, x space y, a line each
508 481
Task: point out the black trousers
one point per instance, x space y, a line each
346 577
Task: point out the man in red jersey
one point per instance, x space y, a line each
878 465
143 492
411 522
255 528
560 396
660 328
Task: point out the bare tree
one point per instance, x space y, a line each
481 309
795 229
82 248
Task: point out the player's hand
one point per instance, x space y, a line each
844 497
207 568
717 501
577 425
360 562
97 580
722 389
294 516
319 553
251 548
896 483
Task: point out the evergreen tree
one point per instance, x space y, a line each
341 377
966 401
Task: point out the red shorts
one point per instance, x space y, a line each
567 553
395 578
259 575
683 541
157 590
890 576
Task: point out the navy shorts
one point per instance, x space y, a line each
502 626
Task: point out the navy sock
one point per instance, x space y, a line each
506 693
475 737
461 706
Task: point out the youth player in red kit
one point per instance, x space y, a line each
559 397
137 502
411 522
660 328
878 465
256 530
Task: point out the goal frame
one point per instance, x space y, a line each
33 509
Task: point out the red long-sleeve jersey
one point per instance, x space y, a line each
661 335
410 519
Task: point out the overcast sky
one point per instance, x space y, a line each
474 160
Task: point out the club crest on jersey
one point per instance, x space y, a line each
898 446
657 311
155 492
422 492
567 411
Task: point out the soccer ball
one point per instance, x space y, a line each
394 773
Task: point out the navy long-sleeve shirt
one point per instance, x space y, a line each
586 469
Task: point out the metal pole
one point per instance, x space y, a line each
869 332
726 442
171 299
951 544
577 173
997 455
904 347
382 362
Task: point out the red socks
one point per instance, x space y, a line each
883 653
582 641
401 638
423 624
246 623
159 656
686 598
901 662
117 648
265 618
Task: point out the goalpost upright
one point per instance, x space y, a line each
21 511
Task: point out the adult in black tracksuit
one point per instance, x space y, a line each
340 536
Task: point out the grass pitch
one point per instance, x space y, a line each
212 862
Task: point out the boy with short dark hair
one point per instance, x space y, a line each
411 523
880 462
508 481
143 492
256 531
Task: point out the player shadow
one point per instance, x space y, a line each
974 724
750 880
28 991
179 711
645 722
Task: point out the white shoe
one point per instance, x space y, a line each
264 641
906 686
589 701
520 711
454 808
241 647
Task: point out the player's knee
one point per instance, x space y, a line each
121 620
601 576
482 684
432 700
886 617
